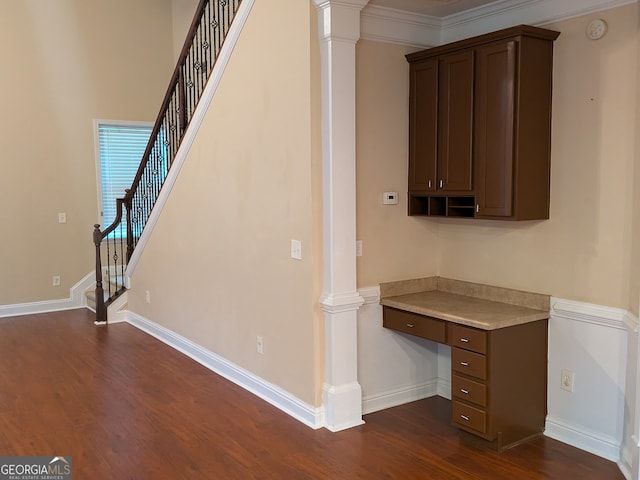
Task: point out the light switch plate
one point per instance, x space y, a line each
296 249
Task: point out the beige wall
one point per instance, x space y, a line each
183 12
218 265
634 289
65 63
584 251
394 245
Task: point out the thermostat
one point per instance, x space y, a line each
390 198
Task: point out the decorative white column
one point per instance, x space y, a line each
339 26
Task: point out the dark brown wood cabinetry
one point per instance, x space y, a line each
480 126
498 377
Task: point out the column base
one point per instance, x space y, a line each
343 406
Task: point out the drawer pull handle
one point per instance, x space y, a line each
466 392
464 340
464 417
410 325
464 364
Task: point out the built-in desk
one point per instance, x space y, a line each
498 340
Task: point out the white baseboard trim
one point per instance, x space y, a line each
444 388
276 396
625 464
76 299
625 469
400 396
591 442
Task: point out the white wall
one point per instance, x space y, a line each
591 341
629 450
393 368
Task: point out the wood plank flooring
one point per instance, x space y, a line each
125 406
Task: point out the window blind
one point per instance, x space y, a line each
121 147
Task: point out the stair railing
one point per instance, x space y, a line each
117 242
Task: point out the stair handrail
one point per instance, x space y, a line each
210 25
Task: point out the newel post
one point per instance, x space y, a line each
101 311
128 201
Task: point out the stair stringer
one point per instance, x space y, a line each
117 310
190 134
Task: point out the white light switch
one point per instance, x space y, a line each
62 217
296 249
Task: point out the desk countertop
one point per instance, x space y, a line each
484 313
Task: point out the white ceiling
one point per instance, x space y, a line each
434 8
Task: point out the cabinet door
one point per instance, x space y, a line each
423 123
455 122
494 128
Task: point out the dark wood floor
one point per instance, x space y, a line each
125 406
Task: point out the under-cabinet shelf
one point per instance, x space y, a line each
441 206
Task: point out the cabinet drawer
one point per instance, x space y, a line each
469 338
469 363
469 417
469 390
419 325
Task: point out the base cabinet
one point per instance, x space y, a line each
498 377
500 395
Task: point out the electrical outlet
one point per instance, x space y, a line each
62 217
567 378
358 248
56 281
147 296
259 345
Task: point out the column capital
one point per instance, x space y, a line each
359 4
339 19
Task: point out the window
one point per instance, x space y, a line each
120 146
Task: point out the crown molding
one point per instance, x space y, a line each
389 25
422 31
507 13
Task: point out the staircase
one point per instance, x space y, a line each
117 242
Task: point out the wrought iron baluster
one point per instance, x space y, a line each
197 58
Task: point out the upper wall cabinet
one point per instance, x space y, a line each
480 126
